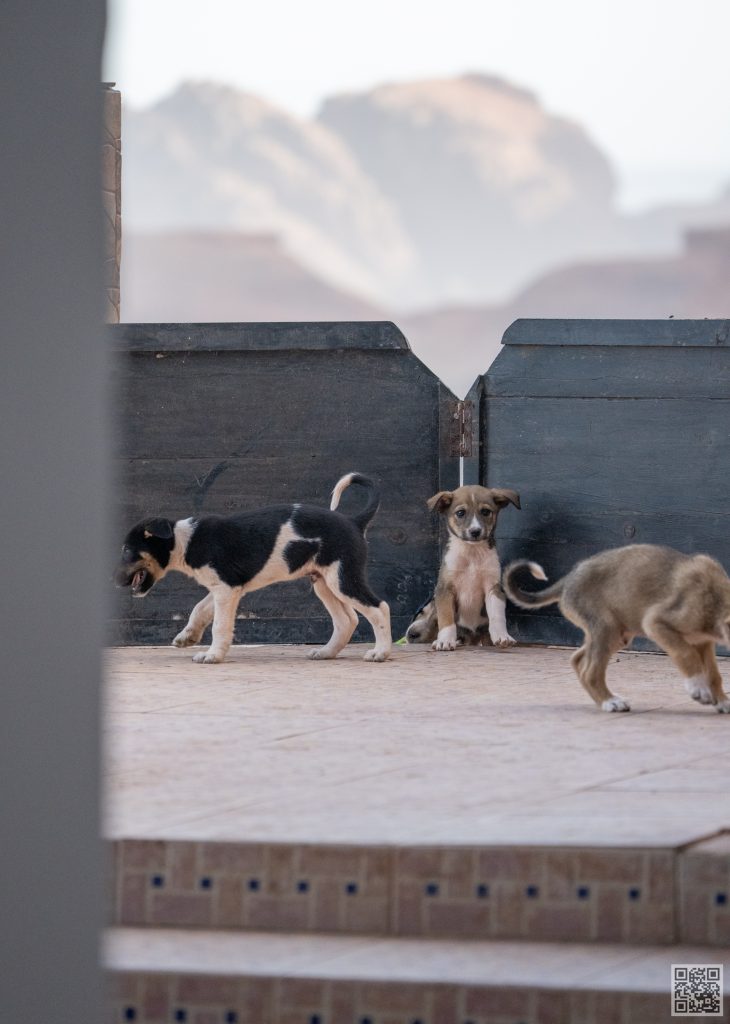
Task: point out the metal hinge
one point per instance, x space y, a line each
460 429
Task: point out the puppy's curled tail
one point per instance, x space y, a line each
362 518
525 598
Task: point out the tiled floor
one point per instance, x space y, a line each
471 747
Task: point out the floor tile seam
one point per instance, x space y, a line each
635 956
227 809
634 776
722 830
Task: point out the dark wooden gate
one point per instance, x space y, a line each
221 417
614 432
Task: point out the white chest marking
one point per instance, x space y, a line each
473 570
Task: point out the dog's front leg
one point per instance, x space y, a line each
200 618
496 605
446 614
225 602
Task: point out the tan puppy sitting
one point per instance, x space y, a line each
468 587
681 602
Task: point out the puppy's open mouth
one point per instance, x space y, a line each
138 581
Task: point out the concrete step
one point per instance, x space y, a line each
570 894
224 977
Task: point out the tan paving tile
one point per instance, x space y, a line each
650 970
564 965
473 746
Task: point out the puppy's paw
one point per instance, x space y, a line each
375 655
723 707
699 689
207 658
615 704
444 645
321 654
502 642
185 639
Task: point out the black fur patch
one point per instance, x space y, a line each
236 547
298 552
340 541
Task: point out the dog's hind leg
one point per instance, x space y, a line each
225 600
718 697
351 589
200 618
590 663
344 621
379 618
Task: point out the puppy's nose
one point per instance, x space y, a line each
120 578
475 533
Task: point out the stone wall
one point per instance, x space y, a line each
111 184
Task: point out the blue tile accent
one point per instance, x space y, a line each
254 884
181 1014
482 892
302 886
721 898
634 894
206 883
351 888
231 1017
130 1013
315 1019
158 881
532 891
366 1020
583 892
432 889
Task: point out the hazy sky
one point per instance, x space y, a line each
649 79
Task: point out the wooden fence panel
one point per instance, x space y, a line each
614 432
220 417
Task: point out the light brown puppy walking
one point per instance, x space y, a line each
681 602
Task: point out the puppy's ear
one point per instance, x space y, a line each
161 528
440 502
503 497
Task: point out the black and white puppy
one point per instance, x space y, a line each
234 555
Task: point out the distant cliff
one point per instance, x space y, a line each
450 205
490 187
204 276
211 158
458 342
